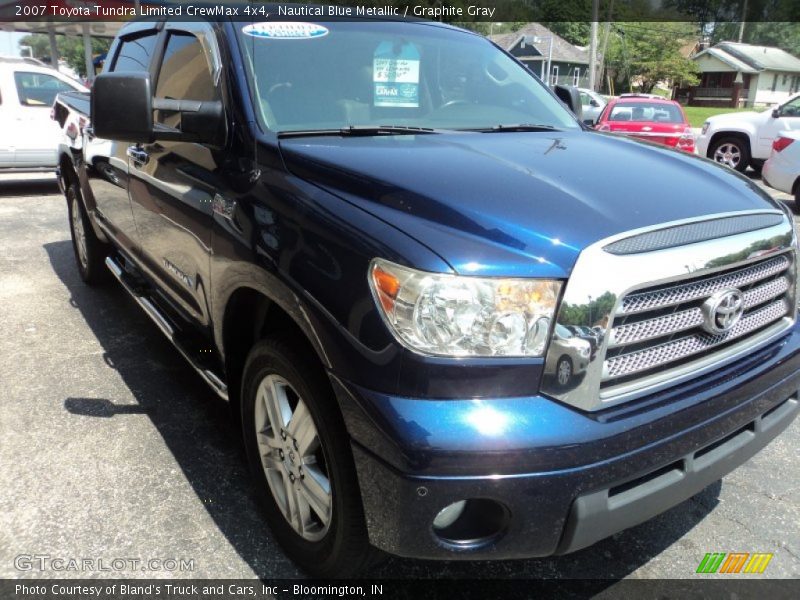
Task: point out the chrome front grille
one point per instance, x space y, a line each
657 301
635 303
662 328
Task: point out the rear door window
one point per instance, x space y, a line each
185 75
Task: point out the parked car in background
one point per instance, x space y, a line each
641 95
744 139
28 136
782 169
592 105
569 356
652 119
585 333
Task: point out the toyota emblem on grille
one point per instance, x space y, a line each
722 311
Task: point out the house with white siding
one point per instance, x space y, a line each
738 75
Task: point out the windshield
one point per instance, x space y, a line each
365 74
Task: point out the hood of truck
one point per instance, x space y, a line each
740 119
518 204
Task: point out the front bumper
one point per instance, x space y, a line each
566 479
701 144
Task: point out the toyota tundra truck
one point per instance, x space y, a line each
377 239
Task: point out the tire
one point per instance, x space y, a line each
733 152
564 371
757 165
90 252
796 207
328 539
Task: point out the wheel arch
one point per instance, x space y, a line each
250 314
744 135
70 175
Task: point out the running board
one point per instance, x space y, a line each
211 378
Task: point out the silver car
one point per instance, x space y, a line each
572 356
592 104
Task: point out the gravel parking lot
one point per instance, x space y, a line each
113 448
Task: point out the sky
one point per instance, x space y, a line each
8 43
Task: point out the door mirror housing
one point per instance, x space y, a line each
776 113
570 96
594 103
123 105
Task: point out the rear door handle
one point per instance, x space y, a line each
138 156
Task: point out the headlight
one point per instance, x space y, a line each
704 128
452 315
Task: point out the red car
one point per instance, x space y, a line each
656 120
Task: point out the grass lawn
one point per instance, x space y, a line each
698 114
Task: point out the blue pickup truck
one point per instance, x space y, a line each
453 322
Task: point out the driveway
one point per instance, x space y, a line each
113 448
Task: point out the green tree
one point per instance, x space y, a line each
70 48
784 35
646 53
575 32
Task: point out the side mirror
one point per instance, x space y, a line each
776 113
122 110
122 107
202 122
571 97
589 122
594 103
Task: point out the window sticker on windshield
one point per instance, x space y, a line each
285 30
395 75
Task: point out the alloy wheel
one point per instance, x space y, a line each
728 154
292 458
564 371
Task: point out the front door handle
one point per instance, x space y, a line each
138 156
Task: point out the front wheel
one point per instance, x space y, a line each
796 206
301 462
564 371
732 152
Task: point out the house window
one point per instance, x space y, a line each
785 77
576 77
554 75
774 81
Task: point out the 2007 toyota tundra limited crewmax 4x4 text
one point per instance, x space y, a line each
453 322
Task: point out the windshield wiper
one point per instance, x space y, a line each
356 130
517 127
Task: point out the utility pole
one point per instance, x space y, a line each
87 52
593 45
51 36
604 51
744 18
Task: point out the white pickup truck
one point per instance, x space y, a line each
744 139
28 136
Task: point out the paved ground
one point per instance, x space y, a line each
112 447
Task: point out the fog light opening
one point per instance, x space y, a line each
471 523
